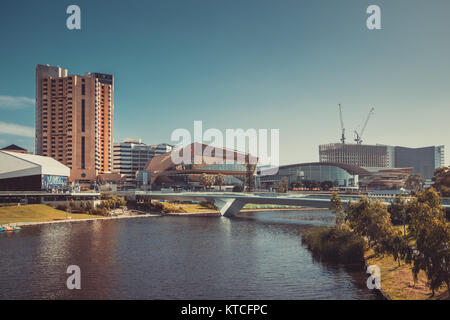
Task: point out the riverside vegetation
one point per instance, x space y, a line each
413 235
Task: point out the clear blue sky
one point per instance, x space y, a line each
241 64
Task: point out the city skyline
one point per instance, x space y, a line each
283 66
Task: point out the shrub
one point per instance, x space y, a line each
208 205
331 244
238 188
62 207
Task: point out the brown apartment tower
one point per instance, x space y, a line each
74 120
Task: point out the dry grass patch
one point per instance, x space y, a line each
398 282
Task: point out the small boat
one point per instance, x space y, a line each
2 229
8 228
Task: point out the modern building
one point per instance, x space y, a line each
361 155
338 175
14 148
164 173
423 161
27 172
131 156
74 120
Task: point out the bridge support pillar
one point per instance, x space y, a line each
229 207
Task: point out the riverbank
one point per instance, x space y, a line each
397 282
329 244
38 214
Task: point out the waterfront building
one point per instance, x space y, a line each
423 161
336 175
233 165
360 155
131 156
28 172
74 120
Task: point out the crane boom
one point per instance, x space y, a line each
342 125
359 135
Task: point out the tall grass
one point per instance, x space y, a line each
331 244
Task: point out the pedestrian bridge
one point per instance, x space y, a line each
230 203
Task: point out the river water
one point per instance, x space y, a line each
252 256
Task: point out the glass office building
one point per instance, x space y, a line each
341 175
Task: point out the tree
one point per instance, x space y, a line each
250 177
220 180
398 212
441 181
431 232
283 185
415 183
326 185
371 219
207 180
338 209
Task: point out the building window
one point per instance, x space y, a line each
83 163
83 89
82 115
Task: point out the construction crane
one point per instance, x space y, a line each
342 125
359 135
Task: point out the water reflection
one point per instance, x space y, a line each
252 256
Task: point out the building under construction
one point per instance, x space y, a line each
360 155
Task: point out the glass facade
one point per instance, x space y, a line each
312 172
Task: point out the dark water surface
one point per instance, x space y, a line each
253 256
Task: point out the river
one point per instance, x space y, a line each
255 255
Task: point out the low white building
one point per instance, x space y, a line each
28 172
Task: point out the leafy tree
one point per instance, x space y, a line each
431 232
207 180
441 181
371 219
220 180
399 212
326 185
338 209
283 185
415 183
250 177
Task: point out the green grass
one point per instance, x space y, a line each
37 213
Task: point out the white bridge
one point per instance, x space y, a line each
230 203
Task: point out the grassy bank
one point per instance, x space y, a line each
397 281
37 213
332 244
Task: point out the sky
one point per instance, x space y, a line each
263 64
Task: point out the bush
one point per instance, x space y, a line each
238 188
209 205
62 207
332 244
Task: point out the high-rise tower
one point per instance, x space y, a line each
74 120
